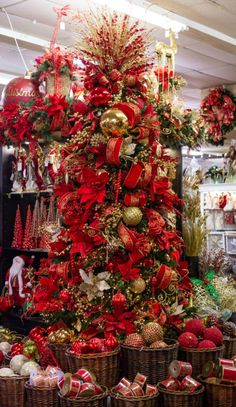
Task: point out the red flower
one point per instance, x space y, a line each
93 188
128 272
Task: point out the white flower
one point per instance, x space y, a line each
128 147
93 285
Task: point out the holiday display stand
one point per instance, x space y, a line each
153 363
12 391
59 351
171 398
218 394
104 365
94 401
198 357
41 397
117 400
230 347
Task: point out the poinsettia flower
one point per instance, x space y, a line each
93 188
128 272
94 285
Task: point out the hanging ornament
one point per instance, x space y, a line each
132 216
114 122
20 90
138 285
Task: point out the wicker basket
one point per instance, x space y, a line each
181 398
118 400
41 397
59 351
230 347
12 391
153 363
65 84
105 366
219 395
198 357
95 401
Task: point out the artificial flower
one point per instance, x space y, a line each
94 285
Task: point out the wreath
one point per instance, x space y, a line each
219 113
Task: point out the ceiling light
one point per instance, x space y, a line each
143 13
34 21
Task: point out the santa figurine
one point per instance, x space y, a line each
17 279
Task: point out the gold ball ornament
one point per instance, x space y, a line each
132 216
138 285
114 122
152 332
158 345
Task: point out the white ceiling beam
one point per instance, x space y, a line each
24 37
5 78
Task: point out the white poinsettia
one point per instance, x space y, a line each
93 285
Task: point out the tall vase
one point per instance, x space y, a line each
193 265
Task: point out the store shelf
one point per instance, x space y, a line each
217 187
15 249
25 193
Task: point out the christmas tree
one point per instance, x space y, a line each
116 263
28 239
18 230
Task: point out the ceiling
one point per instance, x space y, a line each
204 60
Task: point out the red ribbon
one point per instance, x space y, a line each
113 150
133 176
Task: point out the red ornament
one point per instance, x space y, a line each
118 300
188 340
1 357
111 342
100 96
64 296
17 349
6 303
206 344
79 347
195 326
214 334
115 75
20 90
96 345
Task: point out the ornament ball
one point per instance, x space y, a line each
114 122
132 216
138 285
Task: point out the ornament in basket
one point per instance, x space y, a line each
137 393
199 344
102 356
148 353
81 390
59 341
229 331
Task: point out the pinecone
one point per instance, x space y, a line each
152 332
229 329
135 340
212 320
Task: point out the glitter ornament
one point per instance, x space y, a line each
205 344
135 340
195 326
152 332
17 362
132 216
5 347
5 371
188 340
214 334
28 367
138 285
114 122
229 329
158 344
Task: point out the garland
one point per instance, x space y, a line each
219 114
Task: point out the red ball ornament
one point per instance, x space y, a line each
79 347
17 349
100 96
96 345
20 90
1 357
64 296
36 332
195 326
206 344
214 334
118 300
111 342
188 340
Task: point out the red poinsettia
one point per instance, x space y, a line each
93 188
128 272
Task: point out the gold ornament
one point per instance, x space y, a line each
62 335
138 285
114 122
78 325
152 332
132 216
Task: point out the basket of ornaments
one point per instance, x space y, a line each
81 390
148 353
102 356
198 344
7 343
59 340
219 379
41 389
12 381
134 394
180 388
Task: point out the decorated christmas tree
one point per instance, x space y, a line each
18 230
28 238
116 263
